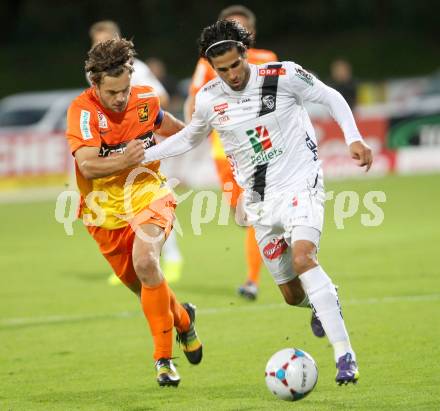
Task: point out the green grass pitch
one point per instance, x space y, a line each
68 341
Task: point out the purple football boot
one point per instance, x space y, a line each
347 370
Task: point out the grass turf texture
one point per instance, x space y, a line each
71 342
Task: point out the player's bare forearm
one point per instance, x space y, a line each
98 167
170 125
92 166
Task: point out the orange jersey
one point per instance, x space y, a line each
112 202
204 73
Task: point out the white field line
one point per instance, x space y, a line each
57 319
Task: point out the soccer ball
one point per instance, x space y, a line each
291 374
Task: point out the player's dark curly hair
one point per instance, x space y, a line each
110 58
224 30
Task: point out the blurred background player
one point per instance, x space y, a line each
202 74
160 71
108 127
341 79
143 76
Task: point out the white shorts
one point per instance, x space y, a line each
281 221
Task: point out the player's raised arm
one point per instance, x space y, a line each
311 89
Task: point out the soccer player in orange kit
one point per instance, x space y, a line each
108 127
202 74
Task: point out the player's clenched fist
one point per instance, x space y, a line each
361 152
134 153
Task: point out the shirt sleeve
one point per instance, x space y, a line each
309 88
159 118
82 128
184 140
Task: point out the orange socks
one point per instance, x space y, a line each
253 256
181 317
163 311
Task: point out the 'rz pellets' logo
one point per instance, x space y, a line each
142 110
262 146
259 139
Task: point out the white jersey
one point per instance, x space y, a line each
265 129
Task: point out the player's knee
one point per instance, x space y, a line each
147 268
303 262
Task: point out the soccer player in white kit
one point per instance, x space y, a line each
268 137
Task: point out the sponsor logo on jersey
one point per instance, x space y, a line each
84 124
211 86
108 149
272 71
220 108
268 101
275 248
244 100
312 147
259 138
223 119
262 145
304 76
142 110
266 156
102 120
295 201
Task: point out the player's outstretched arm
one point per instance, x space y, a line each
185 140
92 166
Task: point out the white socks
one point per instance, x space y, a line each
322 295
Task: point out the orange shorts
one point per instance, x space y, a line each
225 174
117 245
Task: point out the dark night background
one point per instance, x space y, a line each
44 43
